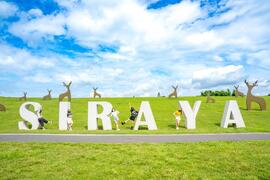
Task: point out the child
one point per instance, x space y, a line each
41 120
114 114
177 115
133 115
69 121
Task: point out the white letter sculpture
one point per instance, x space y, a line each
190 115
232 114
148 116
29 116
63 109
104 116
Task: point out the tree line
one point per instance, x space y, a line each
218 93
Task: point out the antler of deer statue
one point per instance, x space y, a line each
237 92
23 97
251 98
2 107
96 93
67 93
49 96
174 93
209 99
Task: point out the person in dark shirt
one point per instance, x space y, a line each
42 121
133 115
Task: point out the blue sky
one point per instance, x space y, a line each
133 47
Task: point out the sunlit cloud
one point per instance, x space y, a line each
134 47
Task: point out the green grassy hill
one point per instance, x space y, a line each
206 160
208 118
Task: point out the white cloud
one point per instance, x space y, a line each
33 30
216 72
8 60
89 76
235 56
14 59
215 76
7 9
114 57
179 13
205 40
261 58
95 22
217 58
39 78
264 83
35 12
180 41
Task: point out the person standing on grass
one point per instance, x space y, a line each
177 114
114 114
41 120
133 115
69 121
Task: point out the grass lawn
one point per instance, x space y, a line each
208 118
211 160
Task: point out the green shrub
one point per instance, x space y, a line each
217 93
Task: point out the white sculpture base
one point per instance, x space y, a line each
22 125
232 115
29 116
63 109
93 115
190 114
145 110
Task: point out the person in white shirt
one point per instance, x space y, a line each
114 114
69 120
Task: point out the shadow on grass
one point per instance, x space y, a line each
233 125
172 126
252 110
100 127
143 128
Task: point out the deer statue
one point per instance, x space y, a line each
23 97
237 92
251 98
2 107
49 96
67 93
209 99
174 93
96 93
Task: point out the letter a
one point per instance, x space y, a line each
232 114
148 116
104 116
190 115
29 116
63 109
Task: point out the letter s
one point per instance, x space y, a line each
29 116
